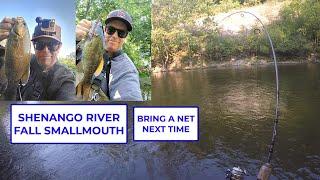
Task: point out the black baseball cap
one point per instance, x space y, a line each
121 15
46 28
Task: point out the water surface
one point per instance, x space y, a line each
236 119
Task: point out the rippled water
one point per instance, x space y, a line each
236 118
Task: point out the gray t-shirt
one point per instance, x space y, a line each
124 82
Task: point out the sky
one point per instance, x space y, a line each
63 11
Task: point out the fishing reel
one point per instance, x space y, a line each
47 25
95 96
236 173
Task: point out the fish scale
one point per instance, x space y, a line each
17 57
92 56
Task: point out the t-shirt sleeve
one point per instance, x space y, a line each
126 87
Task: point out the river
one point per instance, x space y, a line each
236 119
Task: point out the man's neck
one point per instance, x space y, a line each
45 68
114 54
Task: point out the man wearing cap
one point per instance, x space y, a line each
121 78
48 79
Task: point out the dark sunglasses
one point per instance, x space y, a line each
52 46
121 33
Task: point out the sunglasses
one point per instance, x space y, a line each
52 46
121 33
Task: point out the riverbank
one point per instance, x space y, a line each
236 63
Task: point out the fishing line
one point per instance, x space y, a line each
19 90
276 119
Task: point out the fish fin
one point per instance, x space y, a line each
80 67
86 89
2 72
83 91
3 79
99 68
25 77
79 90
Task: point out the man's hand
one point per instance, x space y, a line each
5 26
82 29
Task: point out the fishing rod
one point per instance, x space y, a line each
265 170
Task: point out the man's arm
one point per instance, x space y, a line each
66 92
63 86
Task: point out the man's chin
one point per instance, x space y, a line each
45 62
112 50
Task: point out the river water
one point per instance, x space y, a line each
236 119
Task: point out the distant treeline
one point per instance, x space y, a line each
178 42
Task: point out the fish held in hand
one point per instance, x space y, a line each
91 58
17 57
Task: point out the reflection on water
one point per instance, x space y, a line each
236 118
237 111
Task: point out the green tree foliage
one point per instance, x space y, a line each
299 28
184 32
177 37
68 62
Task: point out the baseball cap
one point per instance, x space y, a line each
121 15
46 28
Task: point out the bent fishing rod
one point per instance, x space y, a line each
265 170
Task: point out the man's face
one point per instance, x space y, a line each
113 41
46 50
